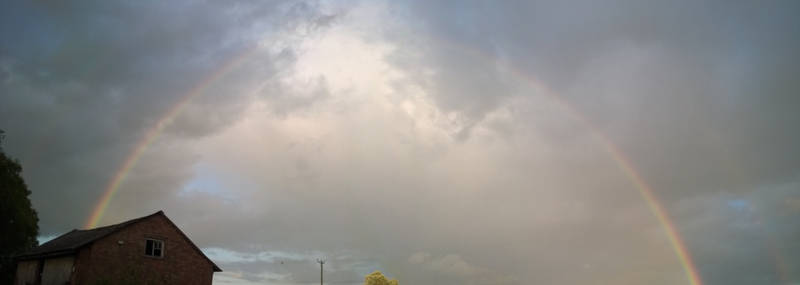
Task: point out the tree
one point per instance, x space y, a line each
18 220
377 278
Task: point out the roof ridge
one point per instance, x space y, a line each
214 265
128 221
75 239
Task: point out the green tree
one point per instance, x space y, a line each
377 278
18 220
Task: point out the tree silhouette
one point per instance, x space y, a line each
18 220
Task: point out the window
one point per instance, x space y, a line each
154 248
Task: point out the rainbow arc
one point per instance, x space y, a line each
625 165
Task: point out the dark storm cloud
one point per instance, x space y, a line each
698 87
81 84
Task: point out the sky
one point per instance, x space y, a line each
440 142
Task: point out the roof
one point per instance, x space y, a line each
74 240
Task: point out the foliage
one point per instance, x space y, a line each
18 220
377 278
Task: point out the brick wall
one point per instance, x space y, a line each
107 261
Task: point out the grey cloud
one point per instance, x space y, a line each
492 183
696 94
298 269
699 88
745 235
430 204
83 83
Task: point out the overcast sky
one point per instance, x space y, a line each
441 142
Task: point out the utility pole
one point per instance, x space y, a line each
321 265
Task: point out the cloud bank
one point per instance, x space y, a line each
416 137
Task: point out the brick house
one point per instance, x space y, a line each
146 250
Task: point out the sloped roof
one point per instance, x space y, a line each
74 240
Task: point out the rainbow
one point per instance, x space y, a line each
678 245
644 190
152 134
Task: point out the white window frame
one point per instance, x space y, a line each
157 243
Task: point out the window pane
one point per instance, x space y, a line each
157 252
148 248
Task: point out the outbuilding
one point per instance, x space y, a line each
146 250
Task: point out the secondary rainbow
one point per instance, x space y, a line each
644 190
